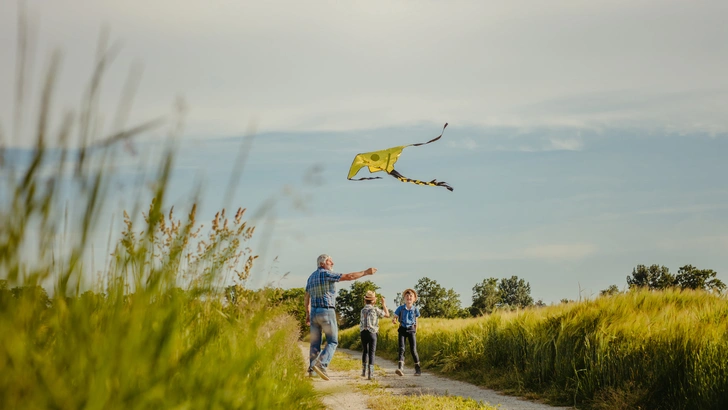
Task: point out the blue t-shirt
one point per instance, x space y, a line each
407 317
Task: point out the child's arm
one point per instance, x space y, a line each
395 317
384 307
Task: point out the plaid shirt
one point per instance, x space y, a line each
369 319
320 286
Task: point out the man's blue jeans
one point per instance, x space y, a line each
323 321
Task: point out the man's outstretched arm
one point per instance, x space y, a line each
357 275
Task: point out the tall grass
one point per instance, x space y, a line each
153 331
652 350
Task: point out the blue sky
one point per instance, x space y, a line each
584 139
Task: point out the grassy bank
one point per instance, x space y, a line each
148 350
153 328
155 331
650 350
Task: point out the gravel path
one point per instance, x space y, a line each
341 391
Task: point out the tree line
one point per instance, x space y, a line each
688 277
433 299
515 293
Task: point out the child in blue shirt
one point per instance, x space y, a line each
407 315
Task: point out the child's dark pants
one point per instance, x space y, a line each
411 336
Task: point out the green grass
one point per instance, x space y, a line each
154 330
425 401
174 352
635 350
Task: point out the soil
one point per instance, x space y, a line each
341 391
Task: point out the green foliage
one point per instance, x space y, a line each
154 332
611 290
426 401
436 301
638 349
688 277
515 292
158 346
486 296
508 293
149 350
290 301
652 277
349 303
34 294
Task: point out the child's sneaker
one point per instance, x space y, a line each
399 369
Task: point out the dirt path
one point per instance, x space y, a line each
341 391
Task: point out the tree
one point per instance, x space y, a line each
350 303
35 294
398 301
485 296
515 292
91 300
690 277
451 305
658 277
292 301
435 301
654 277
238 294
5 294
611 290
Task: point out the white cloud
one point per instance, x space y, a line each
466 143
665 210
565 144
716 243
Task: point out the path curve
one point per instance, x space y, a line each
341 391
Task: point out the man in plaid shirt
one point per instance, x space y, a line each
320 305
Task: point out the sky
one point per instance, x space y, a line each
584 138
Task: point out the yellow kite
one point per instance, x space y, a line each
384 161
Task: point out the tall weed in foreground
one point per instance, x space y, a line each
649 350
154 331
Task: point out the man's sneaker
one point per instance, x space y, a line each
399 369
418 370
318 368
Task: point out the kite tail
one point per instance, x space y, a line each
363 179
434 182
432 140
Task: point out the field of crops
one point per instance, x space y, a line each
641 349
